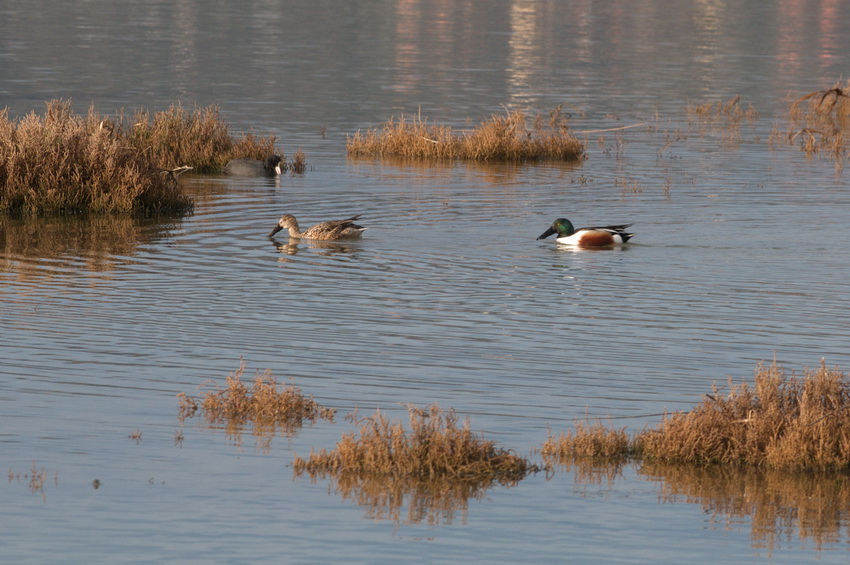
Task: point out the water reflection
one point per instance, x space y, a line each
780 505
326 248
411 501
45 246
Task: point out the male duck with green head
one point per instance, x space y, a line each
588 237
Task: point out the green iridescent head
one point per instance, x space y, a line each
562 226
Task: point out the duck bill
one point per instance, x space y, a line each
276 229
547 233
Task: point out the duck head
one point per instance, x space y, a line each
562 226
272 164
284 223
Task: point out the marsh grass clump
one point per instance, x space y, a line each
780 422
595 453
436 467
436 447
264 404
589 441
66 163
403 138
298 164
822 121
501 138
831 105
200 139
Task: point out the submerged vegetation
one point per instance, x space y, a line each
35 478
68 163
502 138
265 405
822 121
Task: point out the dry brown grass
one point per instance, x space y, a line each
593 452
832 105
298 164
438 466
264 405
435 447
199 139
502 138
67 163
63 162
821 122
780 422
594 441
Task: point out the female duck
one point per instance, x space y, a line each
334 229
588 237
271 167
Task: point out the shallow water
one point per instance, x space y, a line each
448 298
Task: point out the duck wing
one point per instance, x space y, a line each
619 228
336 229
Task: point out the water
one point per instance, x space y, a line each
448 298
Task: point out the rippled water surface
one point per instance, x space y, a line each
448 297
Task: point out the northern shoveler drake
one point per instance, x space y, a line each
271 167
588 237
334 229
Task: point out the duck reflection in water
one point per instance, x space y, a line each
326 248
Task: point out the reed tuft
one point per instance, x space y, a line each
780 422
436 447
298 164
437 466
199 139
822 122
589 442
502 138
265 404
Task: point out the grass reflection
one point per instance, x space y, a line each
780 505
93 242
